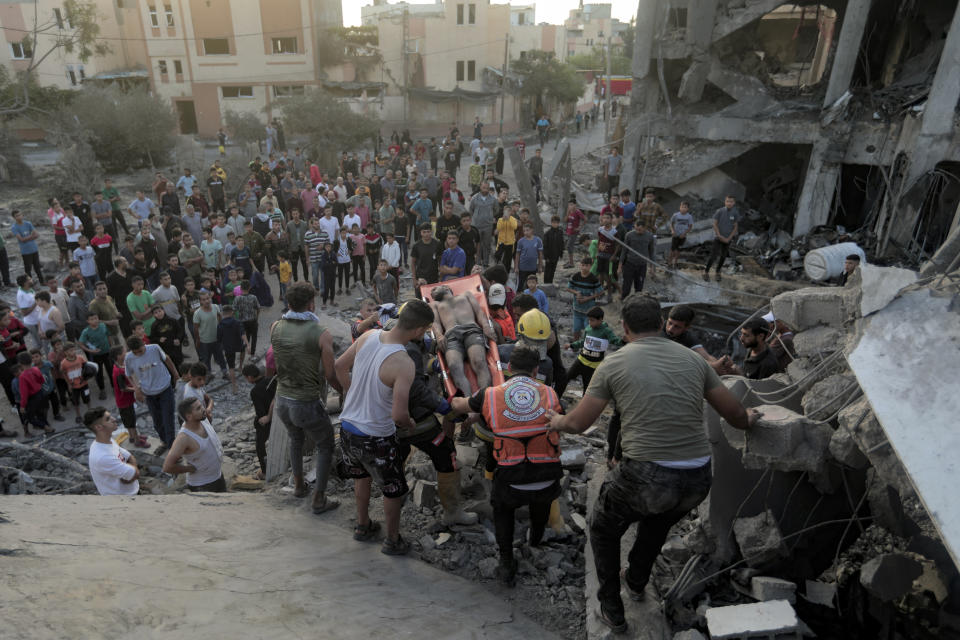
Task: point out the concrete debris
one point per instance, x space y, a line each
786 441
762 619
880 285
442 539
467 456
818 341
425 494
675 550
890 576
488 568
822 593
427 542
765 588
812 307
689 634
759 539
886 506
859 421
573 458
828 396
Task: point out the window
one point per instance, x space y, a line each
460 13
460 74
237 92
178 67
521 18
287 90
162 64
72 75
471 70
83 75
168 12
216 47
284 45
154 18
472 17
21 50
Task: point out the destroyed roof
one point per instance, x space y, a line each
457 94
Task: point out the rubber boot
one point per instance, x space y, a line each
321 502
448 490
555 521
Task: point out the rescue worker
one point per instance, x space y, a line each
527 455
428 436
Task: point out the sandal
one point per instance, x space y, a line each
365 532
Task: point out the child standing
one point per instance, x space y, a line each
328 265
247 309
357 253
542 303
344 247
598 337
87 258
284 274
262 394
372 243
49 382
95 342
586 288
33 406
123 394
385 286
72 368
230 335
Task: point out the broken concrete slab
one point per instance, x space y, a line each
886 506
880 285
843 447
425 494
689 634
573 458
818 341
786 441
890 576
761 619
760 540
766 588
814 306
467 456
822 593
829 395
859 421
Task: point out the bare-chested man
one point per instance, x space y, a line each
464 330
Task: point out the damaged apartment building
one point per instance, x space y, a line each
839 113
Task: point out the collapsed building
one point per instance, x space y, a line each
837 113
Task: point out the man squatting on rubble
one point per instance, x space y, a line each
665 470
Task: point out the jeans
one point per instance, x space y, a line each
633 275
162 410
298 256
250 329
483 249
315 274
719 250
549 270
654 497
359 265
263 434
402 241
571 247
301 417
206 350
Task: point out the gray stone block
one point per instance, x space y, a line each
891 575
822 593
815 306
786 441
818 340
844 449
760 540
760 619
828 396
689 634
765 588
425 494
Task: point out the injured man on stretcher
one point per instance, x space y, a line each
462 330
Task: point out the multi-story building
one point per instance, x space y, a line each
589 26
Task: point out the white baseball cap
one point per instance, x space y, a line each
497 294
769 317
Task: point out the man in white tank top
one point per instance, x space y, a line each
376 375
198 445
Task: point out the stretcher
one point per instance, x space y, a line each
474 285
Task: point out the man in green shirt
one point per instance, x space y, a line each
139 303
665 470
191 258
205 322
110 193
106 311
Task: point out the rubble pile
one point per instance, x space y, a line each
812 506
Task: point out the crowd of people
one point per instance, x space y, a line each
189 263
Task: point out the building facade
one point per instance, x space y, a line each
589 26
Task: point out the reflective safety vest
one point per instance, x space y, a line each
516 413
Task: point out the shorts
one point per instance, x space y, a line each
128 415
81 394
231 357
603 265
676 242
464 336
579 321
61 242
372 457
217 486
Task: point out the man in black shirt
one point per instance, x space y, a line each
677 328
81 209
760 362
119 286
469 241
262 394
215 191
447 222
424 259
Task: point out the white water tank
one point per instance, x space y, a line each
827 262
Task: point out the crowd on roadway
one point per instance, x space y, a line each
190 263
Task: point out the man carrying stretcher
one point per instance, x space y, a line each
462 329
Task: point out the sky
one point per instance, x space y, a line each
551 11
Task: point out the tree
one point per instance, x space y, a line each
75 30
77 168
546 78
244 126
329 125
620 65
126 130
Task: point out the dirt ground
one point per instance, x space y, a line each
222 566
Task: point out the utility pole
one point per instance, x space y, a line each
406 35
607 93
503 80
